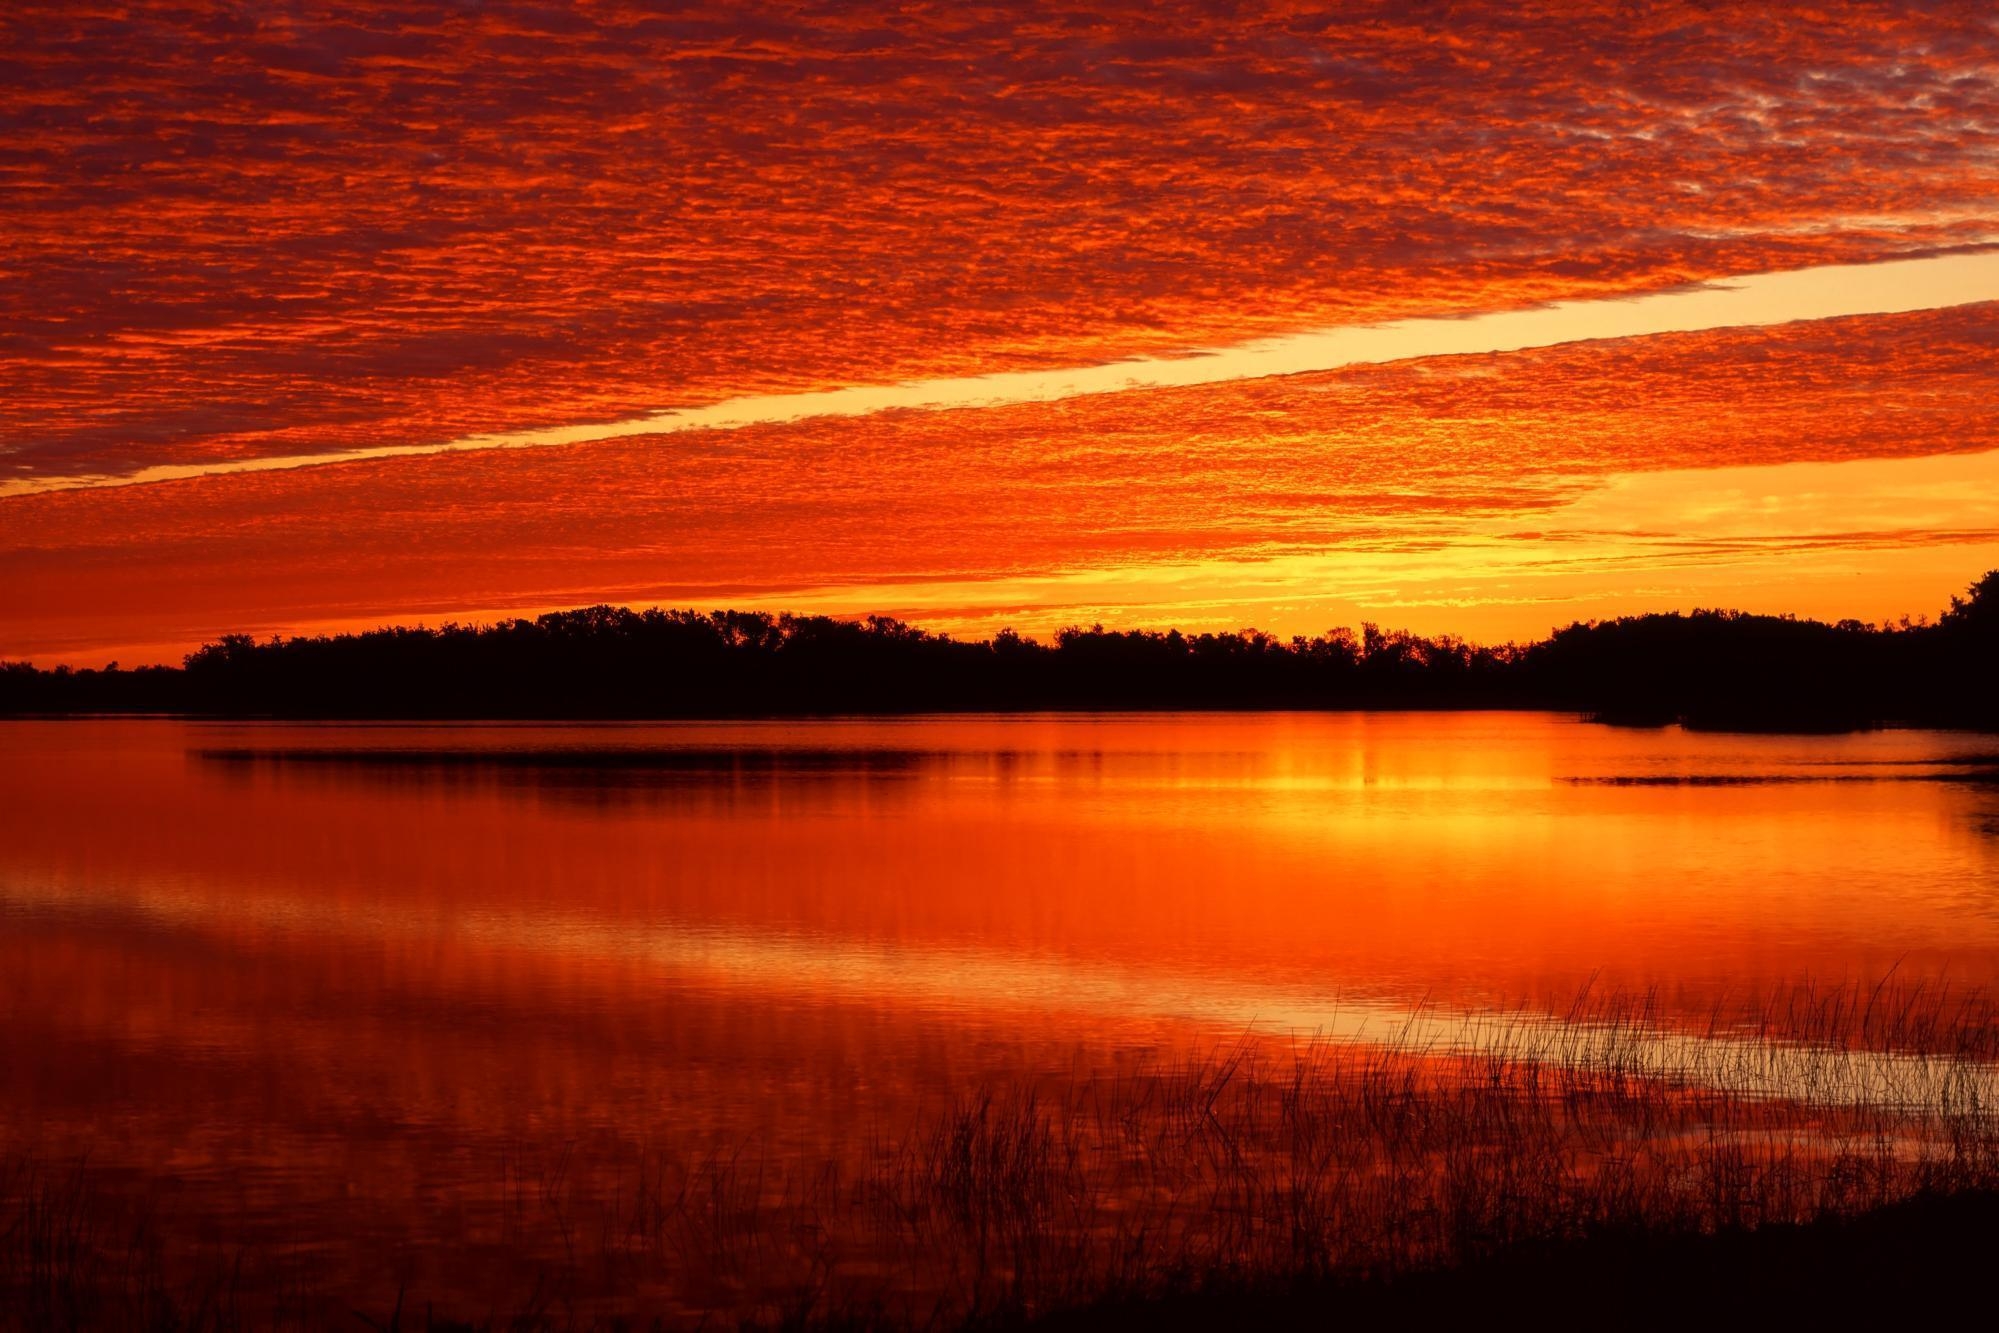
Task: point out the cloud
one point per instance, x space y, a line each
1813 295
315 227
1450 457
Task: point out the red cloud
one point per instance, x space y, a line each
1420 451
276 231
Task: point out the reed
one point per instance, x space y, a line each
1260 1161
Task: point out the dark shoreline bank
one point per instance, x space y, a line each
1711 670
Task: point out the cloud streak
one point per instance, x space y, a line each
244 238
1895 287
1447 459
318 227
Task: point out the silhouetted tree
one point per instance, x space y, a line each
1708 668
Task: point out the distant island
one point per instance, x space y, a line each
1715 669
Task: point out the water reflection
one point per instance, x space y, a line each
1406 856
340 973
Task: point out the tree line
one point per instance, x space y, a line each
1708 668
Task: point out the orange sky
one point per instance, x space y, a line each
233 237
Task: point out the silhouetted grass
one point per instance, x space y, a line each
1299 1173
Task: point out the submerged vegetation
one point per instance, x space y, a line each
1711 668
1354 1170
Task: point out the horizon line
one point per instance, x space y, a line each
356 630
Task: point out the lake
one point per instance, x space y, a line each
404 1005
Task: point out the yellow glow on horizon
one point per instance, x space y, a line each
1822 540
1791 538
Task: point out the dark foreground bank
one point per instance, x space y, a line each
1715 669
1903 1264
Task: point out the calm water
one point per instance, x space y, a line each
349 986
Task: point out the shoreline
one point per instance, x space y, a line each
1709 670
1025 712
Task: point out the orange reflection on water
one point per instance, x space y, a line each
1371 852
328 980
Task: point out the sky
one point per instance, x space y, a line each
1475 319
